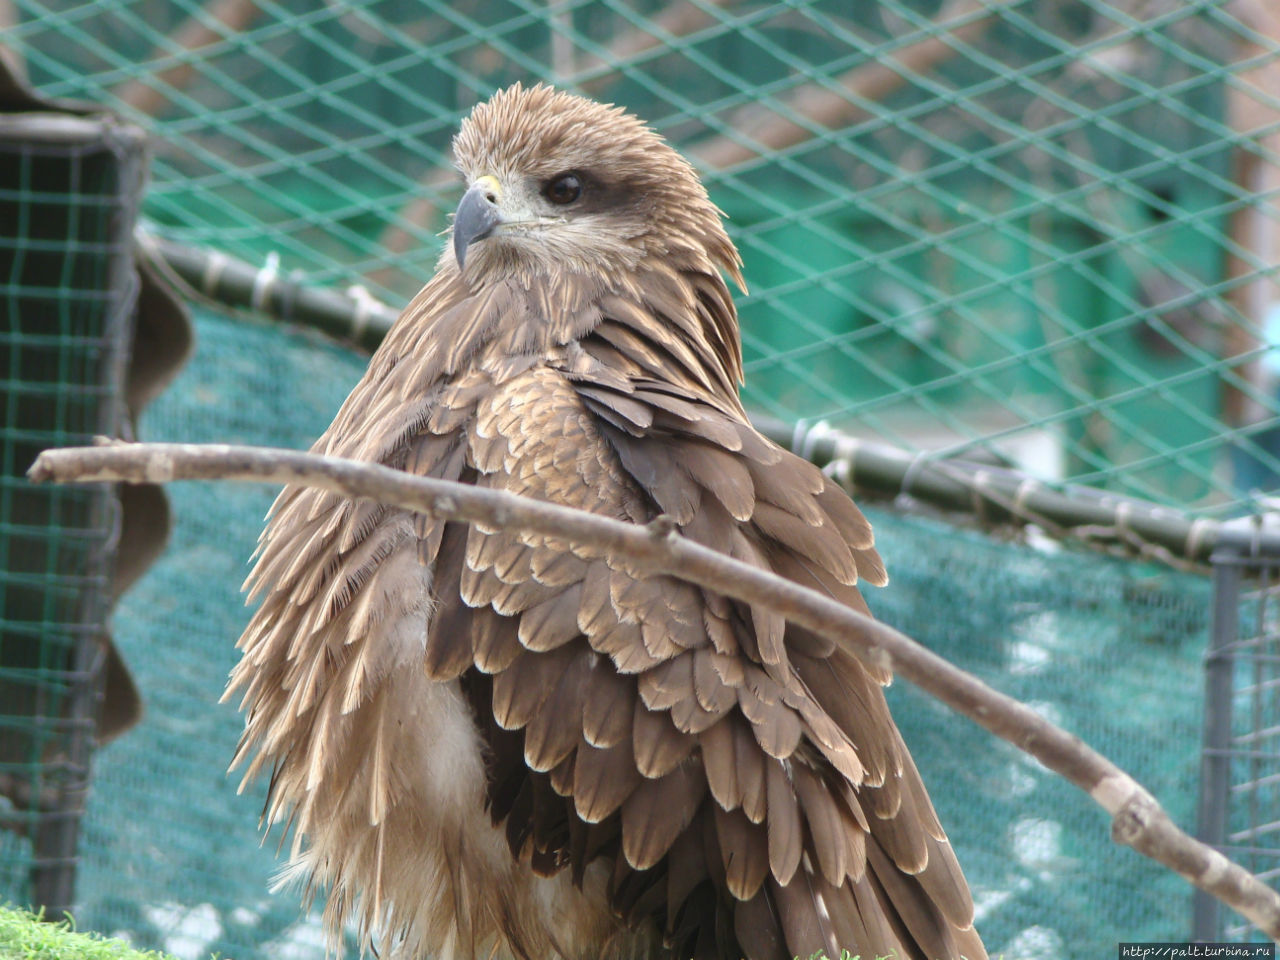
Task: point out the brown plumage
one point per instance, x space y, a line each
496 742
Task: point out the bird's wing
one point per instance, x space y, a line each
734 779
721 762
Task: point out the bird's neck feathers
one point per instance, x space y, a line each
677 305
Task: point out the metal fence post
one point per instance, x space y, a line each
1215 759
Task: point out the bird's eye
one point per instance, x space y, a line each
563 189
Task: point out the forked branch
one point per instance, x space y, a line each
1137 819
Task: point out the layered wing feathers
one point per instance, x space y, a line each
693 705
740 778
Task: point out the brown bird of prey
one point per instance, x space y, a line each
491 743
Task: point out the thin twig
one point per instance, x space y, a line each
1137 819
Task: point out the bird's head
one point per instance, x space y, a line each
559 183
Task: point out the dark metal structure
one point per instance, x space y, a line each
86 339
1240 768
69 190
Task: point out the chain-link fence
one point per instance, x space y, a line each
1045 229
1040 234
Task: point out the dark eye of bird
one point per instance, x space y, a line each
563 189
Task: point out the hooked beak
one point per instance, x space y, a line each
477 216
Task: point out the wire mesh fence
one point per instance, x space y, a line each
1041 229
69 191
1037 233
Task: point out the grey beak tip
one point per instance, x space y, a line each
475 219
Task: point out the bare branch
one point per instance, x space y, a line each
1137 819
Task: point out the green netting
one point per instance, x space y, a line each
1043 228
69 191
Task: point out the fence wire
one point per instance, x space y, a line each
1240 769
1042 230
69 190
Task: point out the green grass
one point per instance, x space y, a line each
24 937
